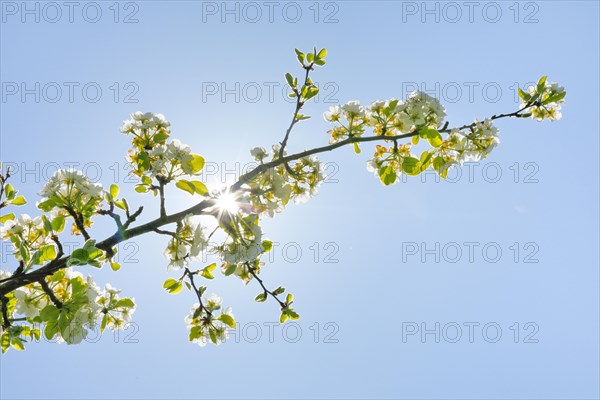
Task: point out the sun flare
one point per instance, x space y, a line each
227 202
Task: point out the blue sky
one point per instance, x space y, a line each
375 277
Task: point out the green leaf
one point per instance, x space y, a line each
356 148
24 252
103 323
290 79
114 191
7 217
322 53
411 165
17 344
173 286
5 341
230 269
310 92
19 201
426 158
143 161
555 97
51 329
207 271
196 163
94 252
267 246
261 297
47 224
289 298
80 255
9 191
524 95
49 313
46 205
160 137
212 335
115 266
433 136
283 317
279 290
58 223
46 253
300 56
192 187
139 189
227 320
387 175
125 302
541 84
415 140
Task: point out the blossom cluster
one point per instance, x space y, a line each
386 117
271 191
187 244
153 156
474 145
30 238
244 246
547 99
74 192
204 326
77 307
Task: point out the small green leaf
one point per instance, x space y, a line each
192 187
387 175
80 255
322 53
196 163
267 246
173 286
114 191
261 297
46 205
94 252
279 290
47 224
433 136
5 341
283 317
49 313
17 344
125 302
290 79
115 266
541 84
356 148
19 201
58 223
7 217
207 271
230 269
227 320
411 165
300 56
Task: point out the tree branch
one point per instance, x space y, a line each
50 293
51 267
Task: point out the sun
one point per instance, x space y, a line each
227 201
